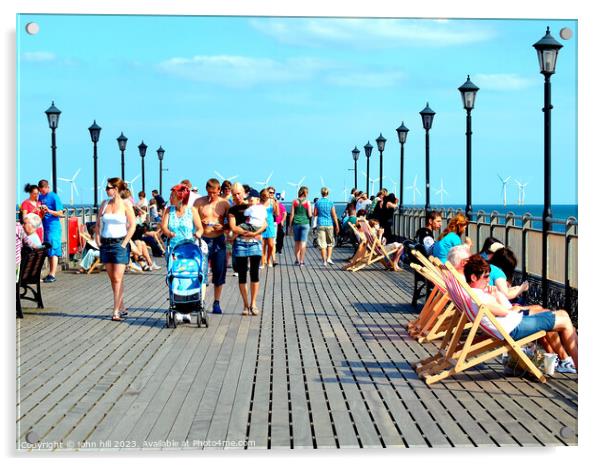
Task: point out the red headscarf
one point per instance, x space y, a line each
182 192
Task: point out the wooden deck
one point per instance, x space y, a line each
327 364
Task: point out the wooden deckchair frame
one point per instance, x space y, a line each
461 355
375 249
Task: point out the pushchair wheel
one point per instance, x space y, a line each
168 319
198 319
203 317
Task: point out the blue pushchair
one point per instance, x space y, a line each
185 279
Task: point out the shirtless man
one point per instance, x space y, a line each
213 210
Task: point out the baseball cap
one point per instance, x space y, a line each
253 193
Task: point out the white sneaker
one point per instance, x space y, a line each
325 264
566 366
330 261
235 274
135 267
186 318
179 317
155 267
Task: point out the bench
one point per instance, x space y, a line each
32 261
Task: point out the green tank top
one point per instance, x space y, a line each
301 217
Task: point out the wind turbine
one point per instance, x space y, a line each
521 192
72 183
392 182
414 189
223 178
131 183
372 180
297 185
441 191
504 183
267 180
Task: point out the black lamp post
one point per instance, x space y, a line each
142 149
95 135
427 121
53 114
356 155
160 153
547 53
122 142
368 152
402 134
468 90
380 144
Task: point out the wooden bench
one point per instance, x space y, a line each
32 261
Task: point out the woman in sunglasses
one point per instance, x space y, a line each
115 226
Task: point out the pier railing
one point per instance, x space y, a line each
519 234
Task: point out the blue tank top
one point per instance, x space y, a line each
183 226
324 208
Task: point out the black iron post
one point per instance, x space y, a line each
142 149
122 142
53 115
356 155
547 52
469 93
94 135
427 121
380 144
160 154
402 134
368 152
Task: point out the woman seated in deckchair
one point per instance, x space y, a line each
394 248
502 268
366 228
451 237
520 324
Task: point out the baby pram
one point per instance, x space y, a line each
185 280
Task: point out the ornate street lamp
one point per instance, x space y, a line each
468 90
160 154
427 121
142 149
368 152
356 155
402 134
547 53
95 135
380 144
122 142
53 114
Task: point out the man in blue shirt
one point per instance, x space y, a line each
328 226
53 211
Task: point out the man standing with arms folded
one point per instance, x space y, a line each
52 207
213 211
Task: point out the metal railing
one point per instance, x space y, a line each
518 233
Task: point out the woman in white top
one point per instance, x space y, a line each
115 226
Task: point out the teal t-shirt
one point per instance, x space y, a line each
496 273
442 247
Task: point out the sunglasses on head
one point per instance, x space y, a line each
109 187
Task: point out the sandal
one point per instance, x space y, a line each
116 318
245 311
254 311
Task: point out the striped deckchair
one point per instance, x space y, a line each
475 349
376 251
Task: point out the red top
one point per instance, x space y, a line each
29 206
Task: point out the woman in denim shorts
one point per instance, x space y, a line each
300 220
115 226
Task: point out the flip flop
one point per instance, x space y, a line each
116 319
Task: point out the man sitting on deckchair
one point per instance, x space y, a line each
369 232
517 323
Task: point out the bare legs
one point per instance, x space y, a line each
115 272
563 340
53 262
268 251
300 247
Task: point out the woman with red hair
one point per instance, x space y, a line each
181 222
451 237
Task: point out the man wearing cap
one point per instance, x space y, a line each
213 211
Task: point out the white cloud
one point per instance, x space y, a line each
367 79
504 82
38 56
372 33
239 71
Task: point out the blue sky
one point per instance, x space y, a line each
250 95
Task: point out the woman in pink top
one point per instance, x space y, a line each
33 205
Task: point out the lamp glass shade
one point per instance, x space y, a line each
142 149
355 153
160 152
547 52
94 131
402 133
122 142
368 149
380 143
427 115
53 114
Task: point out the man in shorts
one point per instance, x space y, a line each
53 211
213 211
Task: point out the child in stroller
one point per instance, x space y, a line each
186 271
